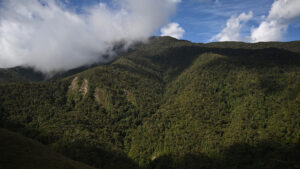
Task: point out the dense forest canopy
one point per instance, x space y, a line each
165 104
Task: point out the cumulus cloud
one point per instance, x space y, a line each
282 13
233 27
172 29
48 36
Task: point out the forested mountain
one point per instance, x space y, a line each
20 74
20 152
169 104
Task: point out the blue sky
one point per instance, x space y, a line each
203 19
58 35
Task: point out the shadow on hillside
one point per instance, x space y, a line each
96 156
176 59
259 58
79 150
270 64
266 155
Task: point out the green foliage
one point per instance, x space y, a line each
20 74
169 104
26 153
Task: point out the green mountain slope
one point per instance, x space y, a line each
170 104
290 46
221 101
23 153
20 74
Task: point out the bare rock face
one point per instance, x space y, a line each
83 89
74 85
103 98
99 96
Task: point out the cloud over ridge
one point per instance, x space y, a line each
172 29
50 37
233 27
271 28
282 13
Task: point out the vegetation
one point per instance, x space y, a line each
20 74
169 104
27 153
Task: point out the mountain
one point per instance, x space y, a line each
27 153
20 74
169 104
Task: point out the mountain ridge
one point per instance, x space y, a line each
169 103
27 73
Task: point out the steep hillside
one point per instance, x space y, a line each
224 100
290 46
170 104
20 74
23 153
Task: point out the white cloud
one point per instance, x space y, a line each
285 10
50 37
282 13
175 1
233 27
269 31
172 29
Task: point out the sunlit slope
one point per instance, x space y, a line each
221 101
169 103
